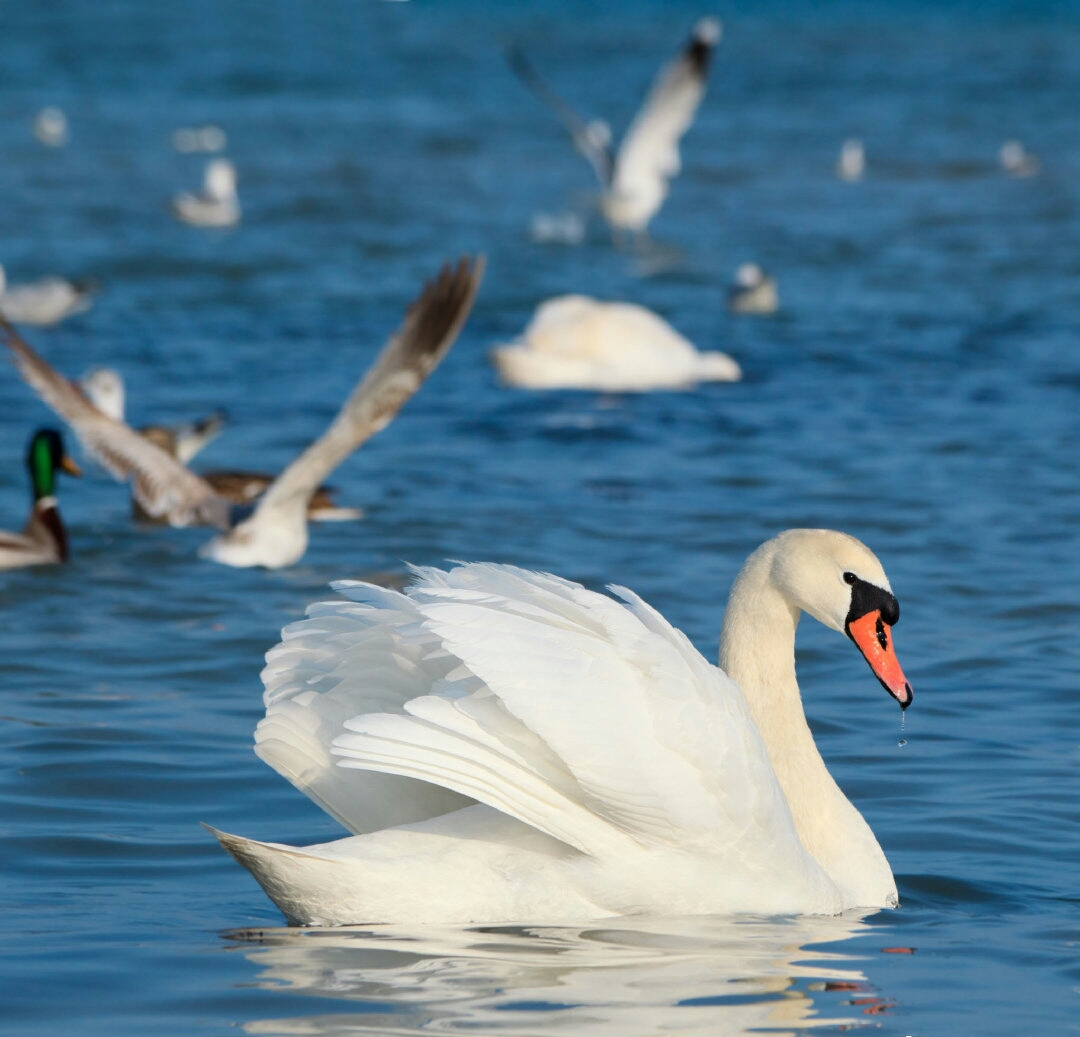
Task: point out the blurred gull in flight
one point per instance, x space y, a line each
574 342
45 301
635 177
852 162
753 291
217 206
274 533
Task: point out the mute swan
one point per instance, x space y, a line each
574 342
45 301
635 178
275 533
753 291
218 205
852 162
508 746
43 540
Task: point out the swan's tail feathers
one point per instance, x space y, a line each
296 880
718 367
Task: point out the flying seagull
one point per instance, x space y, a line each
274 534
635 177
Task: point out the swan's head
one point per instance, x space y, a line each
105 388
839 581
221 179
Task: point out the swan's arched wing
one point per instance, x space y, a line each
649 153
428 331
163 486
596 150
595 723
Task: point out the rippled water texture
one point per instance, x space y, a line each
919 388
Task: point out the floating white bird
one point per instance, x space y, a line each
51 127
199 138
1017 161
508 746
43 540
275 533
753 291
218 205
574 342
635 178
852 162
45 301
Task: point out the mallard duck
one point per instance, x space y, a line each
634 178
43 540
576 342
105 388
275 533
218 205
507 747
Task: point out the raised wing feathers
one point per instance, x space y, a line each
649 152
430 326
162 486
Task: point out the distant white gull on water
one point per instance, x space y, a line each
51 127
574 342
45 301
218 205
1017 161
753 291
851 165
199 138
635 177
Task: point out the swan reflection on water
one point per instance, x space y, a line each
642 976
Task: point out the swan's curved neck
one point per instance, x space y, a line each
757 650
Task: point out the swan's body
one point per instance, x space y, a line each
275 534
635 178
45 301
753 291
43 540
574 342
218 205
510 747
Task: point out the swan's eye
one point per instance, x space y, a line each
850 578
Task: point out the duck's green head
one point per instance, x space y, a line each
44 458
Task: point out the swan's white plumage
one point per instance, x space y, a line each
573 755
576 342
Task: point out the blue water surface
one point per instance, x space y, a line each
920 388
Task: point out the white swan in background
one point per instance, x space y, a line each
45 301
1017 161
218 205
753 291
635 178
275 533
508 746
575 342
51 127
851 165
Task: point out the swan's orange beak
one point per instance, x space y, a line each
871 635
